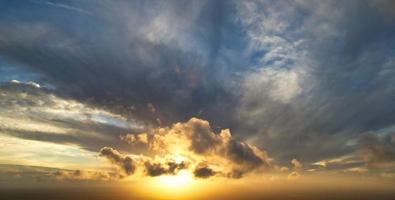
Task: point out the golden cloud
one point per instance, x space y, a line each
192 144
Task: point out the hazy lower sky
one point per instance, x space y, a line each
203 99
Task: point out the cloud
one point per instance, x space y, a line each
276 84
359 170
197 137
293 176
290 81
171 167
63 6
342 163
297 168
40 113
236 174
296 164
24 175
126 163
245 154
185 145
310 64
377 152
201 136
203 171
141 53
133 139
83 175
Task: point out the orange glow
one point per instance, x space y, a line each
183 179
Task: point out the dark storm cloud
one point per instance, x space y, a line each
126 163
125 54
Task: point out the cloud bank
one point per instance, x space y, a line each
300 79
192 144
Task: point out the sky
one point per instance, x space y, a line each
173 96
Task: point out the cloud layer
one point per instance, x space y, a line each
310 81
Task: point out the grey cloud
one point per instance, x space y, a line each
174 167
236 174
140 53
82 175
44 115
158 169
203 171
342 72
126 163
27 176
244 154
377 152
154 169
202 138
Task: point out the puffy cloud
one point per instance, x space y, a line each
155 169
201 136
171 167
203 171
196 136
245 154
133 139
183 144
126 163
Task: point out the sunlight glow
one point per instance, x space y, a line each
179 186
182 179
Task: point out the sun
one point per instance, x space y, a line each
179 186
183 179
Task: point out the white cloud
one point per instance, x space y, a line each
279 84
